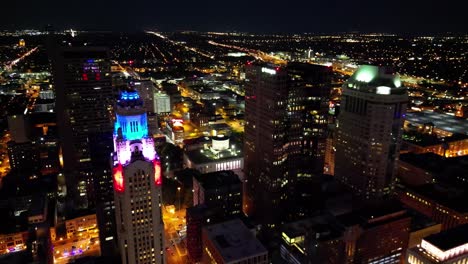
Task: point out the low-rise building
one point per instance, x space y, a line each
450 246
443 204
220 155
221 190
231 242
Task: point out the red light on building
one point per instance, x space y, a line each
98 76
157 172
177 122
117 172
85 77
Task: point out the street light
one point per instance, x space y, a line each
178 192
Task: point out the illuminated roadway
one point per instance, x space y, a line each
14 62
258 54
209 56
176 250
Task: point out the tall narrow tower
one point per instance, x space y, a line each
137 184
369 131
82 79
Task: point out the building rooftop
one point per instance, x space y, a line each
323 226
234 241
425 140
217 179
419 221
441 121
199 156
450 238
374 215
451 196
375 79
437 164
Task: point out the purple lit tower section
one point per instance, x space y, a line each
137 184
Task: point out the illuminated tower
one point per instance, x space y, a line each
137 184
369 131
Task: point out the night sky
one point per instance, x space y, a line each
398 16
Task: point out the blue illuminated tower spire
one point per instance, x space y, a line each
131 117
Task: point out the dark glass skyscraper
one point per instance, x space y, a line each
286 120
84 105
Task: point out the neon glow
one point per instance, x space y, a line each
177 122
148 149
133 127
397 82
366 73
118 178
269 71
383 90
129 95
123 152
157 172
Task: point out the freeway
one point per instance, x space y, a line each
258 54
10 65
204 54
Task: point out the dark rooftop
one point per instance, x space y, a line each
450 238
217 179
374 215
450 196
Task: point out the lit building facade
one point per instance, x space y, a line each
161 103
369 131
442 206
219 156
13 242
137 185
446 247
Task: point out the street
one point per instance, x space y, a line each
176 250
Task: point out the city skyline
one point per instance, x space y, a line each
413 17
201 147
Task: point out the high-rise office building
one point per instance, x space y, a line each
285 131
84 97
137 184
220 191
101 147
369 131
161 103
21 151
145 89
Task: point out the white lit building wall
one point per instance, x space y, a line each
426 253
235 164
138 212
162 103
